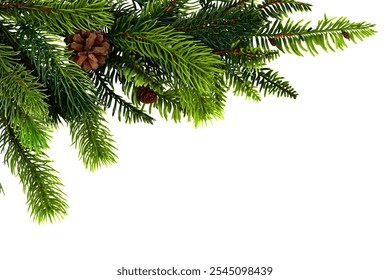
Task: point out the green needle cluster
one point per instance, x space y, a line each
189 53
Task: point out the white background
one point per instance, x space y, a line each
300 185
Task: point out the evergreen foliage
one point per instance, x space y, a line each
187 53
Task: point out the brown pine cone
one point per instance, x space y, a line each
146 95
90 49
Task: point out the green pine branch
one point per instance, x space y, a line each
247 57
23 102
169 106
188 53
269 82
329 34
201 108
71 87
252 82
46 201
219 26
241 85
134 73
58 16
109 99
188 60
280 8
93 140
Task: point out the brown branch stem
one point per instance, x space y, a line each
8 6
170 7
235 52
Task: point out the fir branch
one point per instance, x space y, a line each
121 8
168 104
93 140
46 201
329 34
241 85
136 73
203 108
278 9
235 5
70 85
200 109
154 10
107 96
177 53
251 82
60 17
23 102
219 29
249 57
269 82
10 40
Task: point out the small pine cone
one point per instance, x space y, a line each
90 49
346 35
146 95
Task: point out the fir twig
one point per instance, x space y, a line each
280 8
59 17
93 140
46 201
329 34
119 105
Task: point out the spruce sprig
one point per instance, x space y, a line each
281 8
46 201
58 16
330 34
121 107
23 102
184 54
94 141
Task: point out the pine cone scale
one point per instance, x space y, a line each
77 46
78 39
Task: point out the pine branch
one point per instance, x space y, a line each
201 108
121 8
23 102
269 82
138 72
249 57
238 80
235 4
67 81
178 56
329 34
278 9
11 41
251 82
59 17
155 9
94 141
168 104
218 27
107 96
2 189
177 53
45 199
